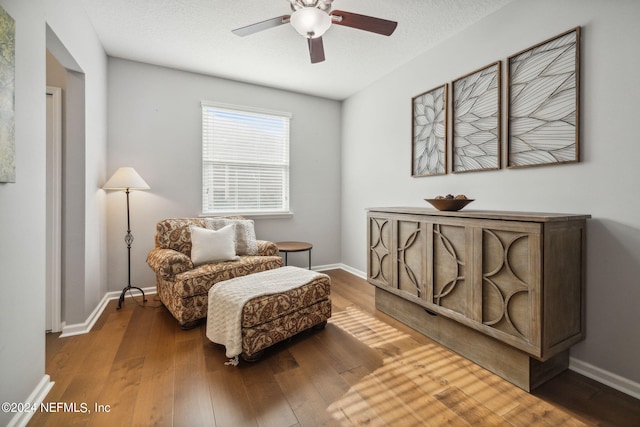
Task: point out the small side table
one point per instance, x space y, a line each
287 247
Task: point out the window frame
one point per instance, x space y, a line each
249 111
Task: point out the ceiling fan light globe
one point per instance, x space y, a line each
310 22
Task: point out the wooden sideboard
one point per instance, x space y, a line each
503 289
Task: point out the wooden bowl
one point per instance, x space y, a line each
449 204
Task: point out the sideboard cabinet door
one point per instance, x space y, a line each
379 259
511 285
452 281
410 258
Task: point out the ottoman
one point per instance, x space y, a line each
250 313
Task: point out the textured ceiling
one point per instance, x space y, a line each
195 35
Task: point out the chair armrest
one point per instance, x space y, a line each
266 248
167 262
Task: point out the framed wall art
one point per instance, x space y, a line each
7 97
543 103
476 141
429 133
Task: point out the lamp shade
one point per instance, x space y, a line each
125 178
310 22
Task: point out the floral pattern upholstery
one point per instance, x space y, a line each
269 319
259 337
267 307
182 288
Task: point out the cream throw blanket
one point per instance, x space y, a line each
227 299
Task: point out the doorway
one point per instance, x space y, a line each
66 278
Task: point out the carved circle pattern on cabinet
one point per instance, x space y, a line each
379 253
449 278
404 247
504 290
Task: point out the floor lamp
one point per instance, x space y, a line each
127 179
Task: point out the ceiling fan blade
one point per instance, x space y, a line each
316 49
261 26
364 22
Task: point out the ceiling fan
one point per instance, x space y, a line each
312 18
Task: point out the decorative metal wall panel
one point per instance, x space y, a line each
476 120
544 83
429 149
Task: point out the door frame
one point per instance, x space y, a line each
53 307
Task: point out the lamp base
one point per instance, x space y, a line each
124 291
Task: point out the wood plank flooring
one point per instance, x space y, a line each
364 368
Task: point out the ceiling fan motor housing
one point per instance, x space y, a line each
310 21
320 4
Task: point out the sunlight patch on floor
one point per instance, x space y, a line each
429 385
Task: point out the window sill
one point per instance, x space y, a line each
250 215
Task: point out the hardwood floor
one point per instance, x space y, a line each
137 367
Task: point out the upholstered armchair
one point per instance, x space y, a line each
193 254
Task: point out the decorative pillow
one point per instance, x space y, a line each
213 245
246 243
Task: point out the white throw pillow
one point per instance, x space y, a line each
213 246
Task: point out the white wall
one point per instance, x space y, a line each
155 126
22 213
22 221
377 142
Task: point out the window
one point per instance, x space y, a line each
245 160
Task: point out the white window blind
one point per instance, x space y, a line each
245 160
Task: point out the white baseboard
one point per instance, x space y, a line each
340 266
325 267
83 328
21 419
360 274
615 381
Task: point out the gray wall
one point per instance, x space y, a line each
376 156
155 126
22 212
22 221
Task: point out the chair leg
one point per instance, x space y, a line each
252 357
